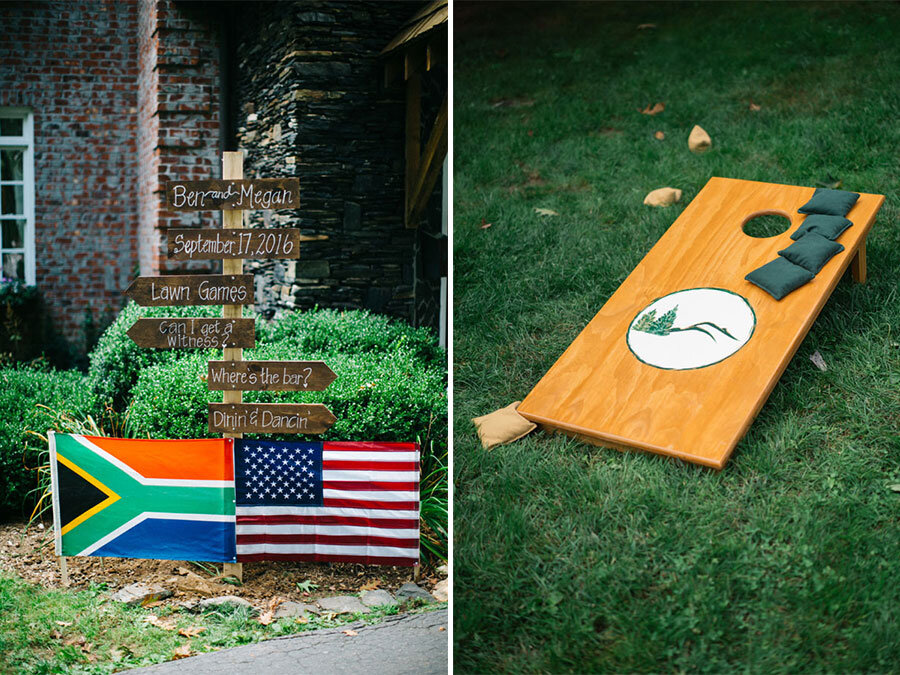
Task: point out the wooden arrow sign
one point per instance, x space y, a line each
258 244
265 418
192 289
227 195
193 333
269 375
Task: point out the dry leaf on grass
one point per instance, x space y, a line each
301 619
659 135
370 585
165 624
63 623
75 640
182 652
192 631
644 26
485 224
268 616
653 110
545 212
155 603
350 633
754 107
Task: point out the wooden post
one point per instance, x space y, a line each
858 264
413 136
63 570
233 168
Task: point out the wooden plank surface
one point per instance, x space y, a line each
269 418
269 375
601 391
193 333
239 243
226 194
191 289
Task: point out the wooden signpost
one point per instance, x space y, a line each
191 289
232 289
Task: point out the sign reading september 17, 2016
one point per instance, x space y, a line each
260 193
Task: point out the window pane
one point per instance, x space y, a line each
13 234
11 164
10 126
12 201
14 266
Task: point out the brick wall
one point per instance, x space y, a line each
309 105
75 65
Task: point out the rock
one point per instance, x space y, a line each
223 600
343 604
193 583
192 605
443 569
663 197
699 140
377 598
141 593
410 591
441 590
291 609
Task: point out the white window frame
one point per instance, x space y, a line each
26 143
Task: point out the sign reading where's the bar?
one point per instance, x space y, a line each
228 195
192 289
269 375
193 333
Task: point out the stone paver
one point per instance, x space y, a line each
377 598
406 644
343 604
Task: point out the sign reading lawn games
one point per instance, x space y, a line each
232 289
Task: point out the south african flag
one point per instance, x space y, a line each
129 498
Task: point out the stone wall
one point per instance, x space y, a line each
75 66
309 104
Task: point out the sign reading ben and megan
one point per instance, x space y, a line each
259 193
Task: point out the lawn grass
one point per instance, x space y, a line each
570 557
54 631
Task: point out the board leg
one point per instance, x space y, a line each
235 570
63 570
858 264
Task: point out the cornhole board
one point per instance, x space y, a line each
693 390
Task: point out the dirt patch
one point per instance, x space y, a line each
29 553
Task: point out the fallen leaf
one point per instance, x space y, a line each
831 183
155 603
659 135
754 107
645 26
818 361
165 624
182 652
442 628
76 640
895 488
87 648
370 585
350 633
266 617
116 654
301 619
484 225
531 132
653 110
63 623
55 634
192 631
545 212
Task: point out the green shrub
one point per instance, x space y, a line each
387 396
116 361
26 331
329 331
21 390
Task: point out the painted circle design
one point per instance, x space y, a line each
693 328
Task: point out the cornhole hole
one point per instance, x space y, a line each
691 386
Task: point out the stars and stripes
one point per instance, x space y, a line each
337 502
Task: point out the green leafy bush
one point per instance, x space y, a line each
116 361
25 329
22 389
388 396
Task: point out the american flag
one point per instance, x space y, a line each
335 502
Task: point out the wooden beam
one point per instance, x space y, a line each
429 168
413 137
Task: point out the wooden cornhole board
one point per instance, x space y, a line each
687 394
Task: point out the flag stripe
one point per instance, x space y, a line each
328 549
355 465
360 503
392 486
319 511
406 476
288 519
375 446
360 456
322 557
376 495
171 461
285 529
323 539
